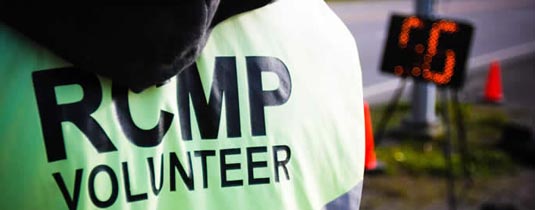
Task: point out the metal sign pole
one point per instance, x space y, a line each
423 109
423 120
450 181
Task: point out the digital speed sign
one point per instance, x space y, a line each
433 50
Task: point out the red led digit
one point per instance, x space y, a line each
408 24
444 77
434 35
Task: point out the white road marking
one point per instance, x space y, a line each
503 54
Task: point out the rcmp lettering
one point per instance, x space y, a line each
207 111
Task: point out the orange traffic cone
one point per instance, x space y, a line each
370 159
493 88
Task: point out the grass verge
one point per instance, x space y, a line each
415 176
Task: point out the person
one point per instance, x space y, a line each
202 105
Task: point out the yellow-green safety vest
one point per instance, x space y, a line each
270 118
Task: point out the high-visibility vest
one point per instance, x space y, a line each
270 117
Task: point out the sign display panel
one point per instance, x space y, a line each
434 50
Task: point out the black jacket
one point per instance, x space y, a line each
135 46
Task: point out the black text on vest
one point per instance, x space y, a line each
206 109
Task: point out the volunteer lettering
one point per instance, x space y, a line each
260 160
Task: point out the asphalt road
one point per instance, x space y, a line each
504 29
518 87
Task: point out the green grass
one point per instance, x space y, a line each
415 176
418 157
